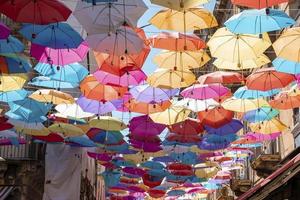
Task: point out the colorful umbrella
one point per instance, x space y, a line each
146 108
198 91
243 105
73 111
261 114
179 5
286 66
13 64
67 130
43 81
284 101
196 105
222 77
232 127
11 45
268 127
4 31
189 126
107 123
245 93
144 125
216 117
105 137
258 3
51 138
14 95
52 96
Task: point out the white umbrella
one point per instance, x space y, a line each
72 110
196 105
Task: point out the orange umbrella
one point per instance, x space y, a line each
284 101
221 77
92 89
215 117
177 42
189 126
268 79
258 4
147 108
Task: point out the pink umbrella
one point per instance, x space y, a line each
144 125
134 77
198 91
134 171
259 137
59 56
100 156
4 31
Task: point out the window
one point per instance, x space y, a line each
296 115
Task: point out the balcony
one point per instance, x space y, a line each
240 186
266 164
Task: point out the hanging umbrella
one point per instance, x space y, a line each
181 60
284 101
215 142
43 81
73 111
171 79
268 79
52 96
67 130
260 114
258 21
146 93
73 73
170 116
144 125
237 47
179 5
177 41
267 127
11 45
216 117
98 107
59 56
107 123
187 21
14 95
232 127
286 66
173 137
147 108
176 193
243 64
206 172
51 138
287 45
124 40
33 132
258 3
245 93
12 64
189 126
35 12
198 91
93 89
196 105
111 178
4 31
130 78
80 141
243 105
105 137
222 77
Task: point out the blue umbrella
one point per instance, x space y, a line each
176 193
215 142
189 158
111 178
286 66
14 64
105 137
261 114
82 141
152 165
11 45
123 163
258 21
34 119
15 95
73 73
232 127
115 148
173 178
245 93
43 81
55 35
164 159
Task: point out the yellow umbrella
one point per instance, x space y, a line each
206 170
236 48
136 158
179 4
107 123
170 116
287 46
243 105
268 127
9 82
52 96
67 130
34 132
243 64
189 20
168 78
179 60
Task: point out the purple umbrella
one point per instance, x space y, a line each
146 146
232 127
164 159
148 94
144 125
98 107
134 171
100 156
4 31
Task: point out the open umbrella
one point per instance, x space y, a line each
199 91
197 105
179 4
146 108
216 117
222 77
11 45
268 127
67 130
258 21
189 126
14 95
260 114
170 116
13 64
258 3
286 66
52 97
4 31
232 127
105 137
245 93
107 123
144 125
243 105
284 101
187 21
73 111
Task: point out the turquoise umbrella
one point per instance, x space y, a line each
189 158
261 114
111 178
43 81
33 119
286 66
11 45
15 95
258 21
82 141
245 93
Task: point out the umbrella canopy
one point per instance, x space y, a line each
222 77
146 108
12 64
170 116
287 45
144 125
67 130
181 60
187 127
59 56
171 79
237 47
196 105
4 31
56 35
146 93
216 117
258 21
286 66
179 4
268 127
232 127
199 91
245 93
242 64
73 111
11 45
107 123
35 12
284 101
105 137
189 20
14 95
267 79
243 105
215 142
51 138
261 114
258 3
52 97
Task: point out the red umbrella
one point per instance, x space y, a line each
155 193
178 166
285 102
259 4
35 12
151 181
183 138
215 117
268 79
52 137
188 127
222 77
